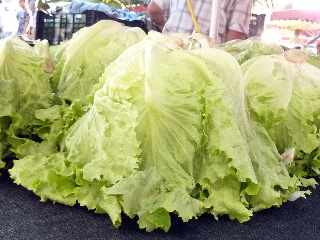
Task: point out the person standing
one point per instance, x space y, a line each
22 18
174 16
27 18
30 6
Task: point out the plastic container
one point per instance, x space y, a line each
59 27
95 16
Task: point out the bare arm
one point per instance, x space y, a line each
30 9
233 35
156 14
239 20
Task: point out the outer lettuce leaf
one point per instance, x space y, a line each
48 176
103 143
87 54
147 195
24 88
284 97
51 176
228 159
275 185
314 60
128 106
93 196
4 122
238 146
2 164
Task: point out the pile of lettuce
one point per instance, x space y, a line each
139 125
35 104
284 96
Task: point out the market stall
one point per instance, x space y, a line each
57 25
294 29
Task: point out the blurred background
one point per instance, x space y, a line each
292 23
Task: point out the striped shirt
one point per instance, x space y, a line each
233 15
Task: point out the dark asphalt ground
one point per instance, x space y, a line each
24 217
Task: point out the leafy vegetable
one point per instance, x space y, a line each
79 63
243 145
314 60
87 54
167 132
24 88
284 97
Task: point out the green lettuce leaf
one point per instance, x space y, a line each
314 60
47 176
24 88
132 124
284 97
239 149
87 54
